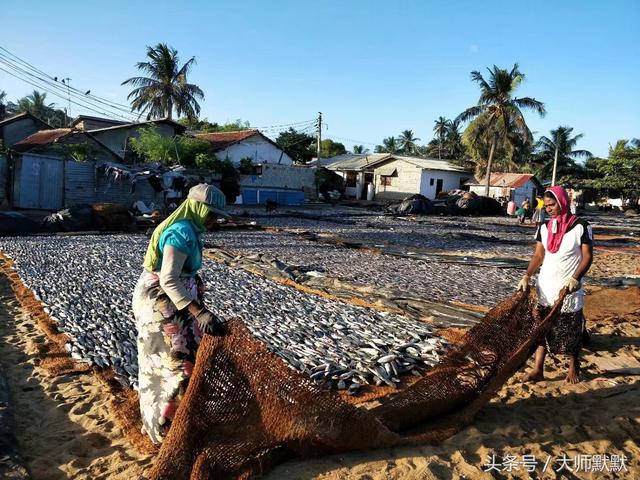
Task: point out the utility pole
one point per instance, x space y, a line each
319 136
66 82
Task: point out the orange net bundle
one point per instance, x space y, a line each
245 410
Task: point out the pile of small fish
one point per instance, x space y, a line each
435 281
434 232
86 285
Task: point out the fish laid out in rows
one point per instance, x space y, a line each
85 284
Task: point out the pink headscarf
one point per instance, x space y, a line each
557 226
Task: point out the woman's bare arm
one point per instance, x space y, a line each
585 263
536 260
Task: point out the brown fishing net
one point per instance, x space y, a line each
245 409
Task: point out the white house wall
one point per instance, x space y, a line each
517 195
450 181
406 181
494 192
257 149
290 177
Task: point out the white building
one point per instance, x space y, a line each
512 186
246 144
394 176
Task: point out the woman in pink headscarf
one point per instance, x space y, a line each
564 251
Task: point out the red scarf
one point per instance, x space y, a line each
558 225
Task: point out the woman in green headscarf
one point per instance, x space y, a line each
169 310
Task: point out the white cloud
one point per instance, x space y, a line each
474 48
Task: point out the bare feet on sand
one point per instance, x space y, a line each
572 377
533 376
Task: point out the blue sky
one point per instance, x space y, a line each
373 68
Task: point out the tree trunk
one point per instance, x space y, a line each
488 180
555 166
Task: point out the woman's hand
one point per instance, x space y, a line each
210 323
572 285
524 283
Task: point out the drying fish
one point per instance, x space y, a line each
86 284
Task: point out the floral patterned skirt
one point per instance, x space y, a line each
167 344
566 333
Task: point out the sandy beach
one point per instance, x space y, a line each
65 429
65 426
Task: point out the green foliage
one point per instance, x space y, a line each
327 181
389 145
230 177
359 149
36 104
562 141
407 143
298 145
80 152
151 146
621 171
189 148
447 144
498 126
205 126
206 160
166 88
508 151
246 166
329 148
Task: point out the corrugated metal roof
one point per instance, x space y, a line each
221 140
81 118
353 162
433 164
41 138
362 162
511 180
20 116
386 171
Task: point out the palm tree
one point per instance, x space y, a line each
453 141
166 87
440 129
408 141
389 145
359 149
557 152
499 112
38 105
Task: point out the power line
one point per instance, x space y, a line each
37 70
350 140
86 100
62 92
67 90
287 125
57 94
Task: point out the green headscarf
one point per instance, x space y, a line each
202 200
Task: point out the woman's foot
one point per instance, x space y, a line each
573 376
533 376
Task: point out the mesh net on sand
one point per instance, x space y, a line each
245 410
